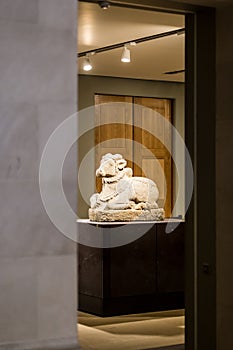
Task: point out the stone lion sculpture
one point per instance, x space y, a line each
123 196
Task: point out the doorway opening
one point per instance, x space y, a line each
154 78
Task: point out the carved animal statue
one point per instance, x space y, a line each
120 190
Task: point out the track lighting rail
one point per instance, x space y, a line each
137 41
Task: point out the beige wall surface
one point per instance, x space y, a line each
37 92
91 85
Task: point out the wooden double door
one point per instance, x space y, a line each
139 128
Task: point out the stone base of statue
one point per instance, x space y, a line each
126 215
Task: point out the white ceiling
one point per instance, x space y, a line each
149 60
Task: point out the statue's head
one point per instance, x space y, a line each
110 165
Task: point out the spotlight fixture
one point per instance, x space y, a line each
125 55
104 4
87 63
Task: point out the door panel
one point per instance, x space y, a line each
151 156
116 135
113 132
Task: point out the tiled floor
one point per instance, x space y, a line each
153 330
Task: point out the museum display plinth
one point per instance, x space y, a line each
144 275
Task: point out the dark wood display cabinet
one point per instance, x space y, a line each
144 275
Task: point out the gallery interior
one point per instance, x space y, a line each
146 274
68 283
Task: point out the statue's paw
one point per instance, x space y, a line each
93 200
131 205
141 205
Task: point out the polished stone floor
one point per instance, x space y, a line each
154 330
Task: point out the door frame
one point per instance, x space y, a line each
200 114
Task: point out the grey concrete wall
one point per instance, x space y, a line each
37 92
224 173
91 85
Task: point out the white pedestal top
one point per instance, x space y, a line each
107 223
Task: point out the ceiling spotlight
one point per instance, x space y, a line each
87 63
104 4
125 54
